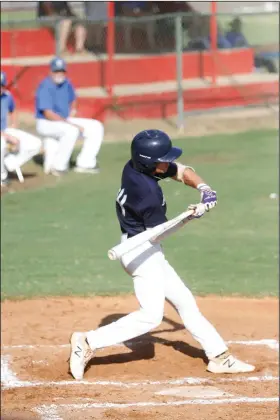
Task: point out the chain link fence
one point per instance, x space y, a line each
152 33
258 32
149 34
166 38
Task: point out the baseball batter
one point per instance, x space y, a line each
17 146
140 205
56 107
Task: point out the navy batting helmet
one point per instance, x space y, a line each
150 147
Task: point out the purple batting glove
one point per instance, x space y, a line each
209 199
208 196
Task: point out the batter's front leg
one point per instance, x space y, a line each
149 290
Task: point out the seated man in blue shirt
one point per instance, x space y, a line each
55 111
237 39
199 33
17 146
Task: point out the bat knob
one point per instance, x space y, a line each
112 255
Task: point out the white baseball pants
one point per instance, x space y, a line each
154 281
93 136
60 139
29 146
4 172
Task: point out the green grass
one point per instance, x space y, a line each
55 239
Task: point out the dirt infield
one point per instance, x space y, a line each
158 376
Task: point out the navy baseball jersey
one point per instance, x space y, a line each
140 202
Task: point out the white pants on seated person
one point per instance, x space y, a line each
92 138
4 172
59 142
60 139
154 281
29 146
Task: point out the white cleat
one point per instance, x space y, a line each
95 170
55 172
227 363
81 354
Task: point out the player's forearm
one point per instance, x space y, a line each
52 116
191 178
188 176
208 197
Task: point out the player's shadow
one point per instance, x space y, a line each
143 347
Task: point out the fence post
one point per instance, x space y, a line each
110 48
57 37
179 72
213 37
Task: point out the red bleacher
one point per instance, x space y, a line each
26 54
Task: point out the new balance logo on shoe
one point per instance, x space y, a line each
77 352
227 362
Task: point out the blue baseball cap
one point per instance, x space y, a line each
3 79
57 64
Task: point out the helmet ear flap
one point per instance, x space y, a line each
142 167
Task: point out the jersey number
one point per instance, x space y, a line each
121 199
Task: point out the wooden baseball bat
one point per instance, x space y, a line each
154 235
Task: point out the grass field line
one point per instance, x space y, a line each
271 343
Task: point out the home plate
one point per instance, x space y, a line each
195 392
